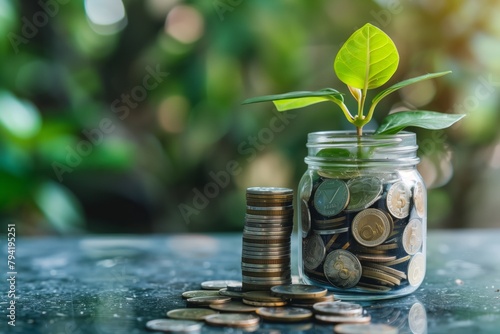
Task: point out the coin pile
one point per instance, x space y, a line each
365 233
265 260
273 305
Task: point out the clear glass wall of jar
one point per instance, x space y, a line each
362 215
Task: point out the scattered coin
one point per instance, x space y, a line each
412 236
233 319
233 294
331 197
190 313
264 303
342 269
416 269
338 308
263 296
364 192
206 301
199 293
298 291
398 200
371 227
235 287
217 284
313 251
234 306
365 329
284 314
336 319
174 325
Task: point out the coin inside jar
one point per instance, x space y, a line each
419 198
371 227
364 192
416 269
412 236
313 251
331 197
342 269
305 217
398 200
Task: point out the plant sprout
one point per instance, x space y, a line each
367 60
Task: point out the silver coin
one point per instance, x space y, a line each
336 319
236 287
365 329
335 231
416 269
284 314
298 291
342 269
398 200
199 293
305 218
195 314
269 191
174 325
364 191
205 301
233 319
412 236
313 252
217 284
331 197
419 198
339 308
307 185
268 218
233 294
417 319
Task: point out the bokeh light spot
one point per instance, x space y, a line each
185 24
172 114
106 16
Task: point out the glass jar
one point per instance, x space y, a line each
362 215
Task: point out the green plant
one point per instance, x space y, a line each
367 60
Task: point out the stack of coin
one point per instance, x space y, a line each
341 312
265 258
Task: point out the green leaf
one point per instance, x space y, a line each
294 100
334 153
405 83
431 120
368 59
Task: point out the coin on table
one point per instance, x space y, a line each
233 319
331 197
313 251
305 217
209 300
232 294
416 269
335 319
261 296
371 227
364 191
234 306
365 329
398 200
339 308
217 284
419 198
284 314
174 325
342 269
269 191
199 293
190 313
298 291
264 303
412 236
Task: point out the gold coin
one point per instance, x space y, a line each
329 297
232 294
379 275
416 269
261 296
391 271
208 300
419 198
298 291
371 227
376 258
412 236
398 200
284 314
234 306
396 261
233 319
190 313
373 287
262 304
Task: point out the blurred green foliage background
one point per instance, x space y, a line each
126 116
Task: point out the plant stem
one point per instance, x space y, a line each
359 131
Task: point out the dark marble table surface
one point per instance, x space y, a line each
115 284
